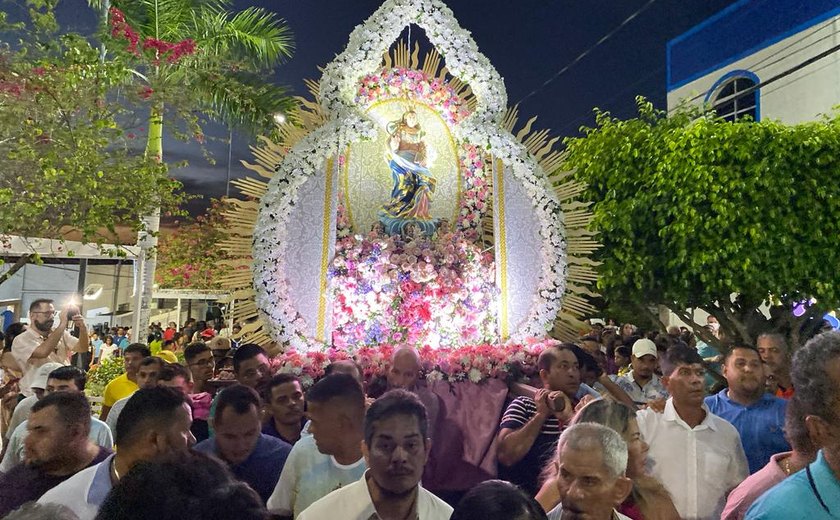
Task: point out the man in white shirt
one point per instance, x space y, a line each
155 422
329 458
697 455
396 448
41 343
63 379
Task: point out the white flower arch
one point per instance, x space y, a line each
346 124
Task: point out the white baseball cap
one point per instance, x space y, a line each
644 347
42 374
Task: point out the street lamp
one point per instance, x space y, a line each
279 118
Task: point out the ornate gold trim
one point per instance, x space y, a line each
499 180
327 224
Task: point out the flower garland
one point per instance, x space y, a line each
412 292
339 87
473 363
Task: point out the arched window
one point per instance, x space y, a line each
733 96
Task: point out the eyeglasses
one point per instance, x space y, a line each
45 312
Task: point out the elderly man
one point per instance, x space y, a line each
396 447
592 460
530 427
775 353
40 343
57 448
696 454
758 416
814 492
641 383
155 421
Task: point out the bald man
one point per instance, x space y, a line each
404 373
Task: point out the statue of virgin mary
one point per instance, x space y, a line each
411 196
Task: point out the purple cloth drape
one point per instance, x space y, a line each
464 438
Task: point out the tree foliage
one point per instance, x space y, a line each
697 212
192 257
67 163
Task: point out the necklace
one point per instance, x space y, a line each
786 465
116 474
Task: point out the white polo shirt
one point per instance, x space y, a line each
84 492
25 344
699 466
353 502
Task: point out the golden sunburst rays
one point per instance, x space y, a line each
242 215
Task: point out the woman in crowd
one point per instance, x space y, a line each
649 499
11 375
107 350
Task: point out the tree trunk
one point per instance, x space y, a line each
22 261
147 238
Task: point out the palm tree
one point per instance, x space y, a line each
201 58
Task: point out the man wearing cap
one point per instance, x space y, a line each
641 383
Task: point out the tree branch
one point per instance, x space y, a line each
22 261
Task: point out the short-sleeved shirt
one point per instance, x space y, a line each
21 413
525 473
119 387
653 389
261 470
799 497
308 476
115 412
99 434
25 344
760 425
24 484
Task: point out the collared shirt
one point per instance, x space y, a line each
308 476
262 468
797 499
699 465
353 502
743 496
25 344
760 425
21 413
84 492
24 483
651 391
99 434
557 514
119 387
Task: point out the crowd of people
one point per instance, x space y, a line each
621 425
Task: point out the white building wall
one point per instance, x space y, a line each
801 96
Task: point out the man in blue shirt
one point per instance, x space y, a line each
815 491
759 417
255 458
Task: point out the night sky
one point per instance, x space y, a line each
528 41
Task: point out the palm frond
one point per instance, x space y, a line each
255 35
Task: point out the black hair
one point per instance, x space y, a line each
170 371
338 386
73 408
586 361
816 393
198 487
148 409
549 355
192 350
497 499
392 403
69 372
152 360
139 348
37 303
12 331
277 380
732 349
623 351
167 342
244 353
676 356
238 397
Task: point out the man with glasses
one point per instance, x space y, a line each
42 344
202 365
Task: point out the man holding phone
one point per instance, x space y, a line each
41 343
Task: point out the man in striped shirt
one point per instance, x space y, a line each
530 427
